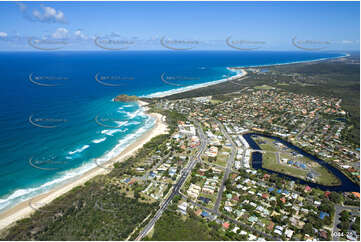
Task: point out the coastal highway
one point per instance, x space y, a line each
228 170
178 184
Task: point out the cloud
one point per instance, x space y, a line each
45 14
3 35
60 33
80 35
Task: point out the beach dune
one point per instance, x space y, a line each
26 208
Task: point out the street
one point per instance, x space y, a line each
228 168
177 186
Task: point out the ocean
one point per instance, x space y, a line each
58 117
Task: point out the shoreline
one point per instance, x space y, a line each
291 63
25 209
162 94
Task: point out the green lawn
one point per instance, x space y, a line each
264 87
222 158
268 145
270 162
325 177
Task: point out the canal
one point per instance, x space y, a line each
346 184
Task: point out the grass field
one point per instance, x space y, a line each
269 161
325 177
222 158
264 87
266 143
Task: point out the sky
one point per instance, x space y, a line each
314 26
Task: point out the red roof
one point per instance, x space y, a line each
323 234
356 194
266 176
351 169
327 193
307 188
234 175
265 195
226 225
270 226
132 181
198 212
283 199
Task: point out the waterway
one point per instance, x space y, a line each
346 184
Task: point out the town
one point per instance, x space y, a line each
206 168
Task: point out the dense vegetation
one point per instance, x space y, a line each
91 212
125 98
172 226
98 210
95 211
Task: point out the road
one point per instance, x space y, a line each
278 157
228 170
240 79
307 125
249 228
177 186
338 209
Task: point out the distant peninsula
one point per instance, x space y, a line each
125 98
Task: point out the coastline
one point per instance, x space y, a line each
24 209
162 94
196 86
290 63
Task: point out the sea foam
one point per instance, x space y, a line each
96 141
79 150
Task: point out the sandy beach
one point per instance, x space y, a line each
26 208
242 73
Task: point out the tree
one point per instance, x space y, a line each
308 229
345 216
344 225
356 226
335 197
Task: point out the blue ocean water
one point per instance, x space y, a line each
58 119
